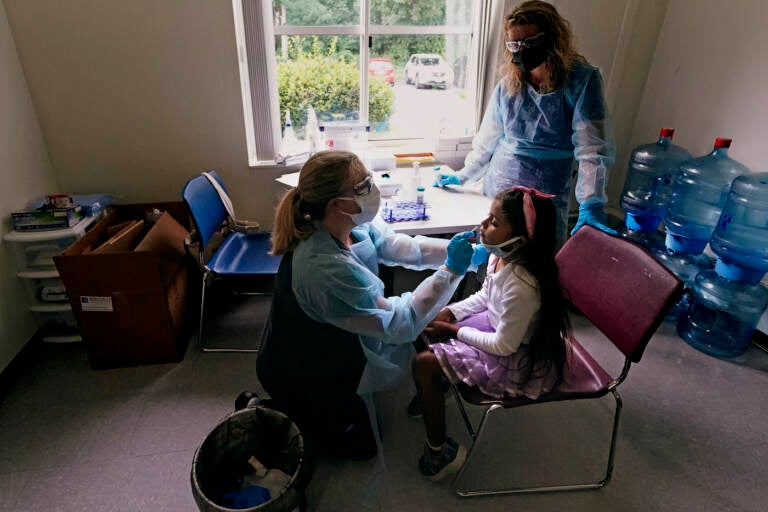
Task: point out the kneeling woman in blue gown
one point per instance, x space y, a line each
334 335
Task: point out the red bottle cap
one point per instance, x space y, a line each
667 132
722 143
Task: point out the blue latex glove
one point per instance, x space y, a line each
459 253
479 255
591 213
444 179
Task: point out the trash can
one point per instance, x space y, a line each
221 461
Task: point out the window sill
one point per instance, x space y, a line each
409 146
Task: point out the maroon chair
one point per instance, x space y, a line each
626 294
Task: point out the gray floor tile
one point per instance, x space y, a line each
692 435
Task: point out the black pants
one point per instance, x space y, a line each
338 427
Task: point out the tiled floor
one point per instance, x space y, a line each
693 436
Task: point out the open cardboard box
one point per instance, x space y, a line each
129 287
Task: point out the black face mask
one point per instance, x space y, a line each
530 58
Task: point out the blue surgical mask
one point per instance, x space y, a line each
506 248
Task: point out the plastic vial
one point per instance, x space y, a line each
419 195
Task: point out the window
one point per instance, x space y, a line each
404 68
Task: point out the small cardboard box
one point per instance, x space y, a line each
46 218
131 303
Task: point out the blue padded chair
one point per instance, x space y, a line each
624 292
239 256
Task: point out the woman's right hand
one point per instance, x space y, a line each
459 253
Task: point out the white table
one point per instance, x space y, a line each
451 210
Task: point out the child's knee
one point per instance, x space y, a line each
424 364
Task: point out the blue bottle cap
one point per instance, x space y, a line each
638 222
738 273
679 243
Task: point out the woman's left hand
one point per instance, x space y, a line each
437 329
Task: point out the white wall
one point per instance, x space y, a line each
708 79
136 97
26 173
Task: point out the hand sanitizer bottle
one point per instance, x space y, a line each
289 136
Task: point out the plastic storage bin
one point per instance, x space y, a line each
698 196
57 323
740 239
652 170
44 288
34 250
46 296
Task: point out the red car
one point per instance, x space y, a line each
382 67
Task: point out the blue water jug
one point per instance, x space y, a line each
740 239
651 240
698 196
685 266
651 172
722 314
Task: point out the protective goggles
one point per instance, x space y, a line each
364 187
528 42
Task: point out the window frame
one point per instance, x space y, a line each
255 33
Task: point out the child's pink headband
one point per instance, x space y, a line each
528 209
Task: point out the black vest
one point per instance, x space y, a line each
300 356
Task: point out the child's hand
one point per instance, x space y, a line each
446 315
438 329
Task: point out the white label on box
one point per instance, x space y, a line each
93 303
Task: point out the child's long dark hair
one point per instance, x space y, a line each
548 345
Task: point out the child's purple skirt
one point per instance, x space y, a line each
496 376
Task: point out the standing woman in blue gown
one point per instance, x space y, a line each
547 110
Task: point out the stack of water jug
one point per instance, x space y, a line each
710 199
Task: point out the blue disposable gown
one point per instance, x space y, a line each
340 286
531 139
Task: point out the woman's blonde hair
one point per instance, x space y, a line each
323 177
562 53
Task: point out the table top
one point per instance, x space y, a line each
451 209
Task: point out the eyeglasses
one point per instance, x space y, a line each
364 187
528 42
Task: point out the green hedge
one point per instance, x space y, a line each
331 86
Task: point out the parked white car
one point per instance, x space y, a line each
428 69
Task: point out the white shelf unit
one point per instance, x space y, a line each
46 296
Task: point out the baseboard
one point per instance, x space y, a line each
19 365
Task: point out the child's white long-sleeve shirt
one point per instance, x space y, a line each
512 299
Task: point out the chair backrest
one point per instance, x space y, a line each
618 286
204 203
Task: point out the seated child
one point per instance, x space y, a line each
507 339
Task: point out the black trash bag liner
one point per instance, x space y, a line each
222 460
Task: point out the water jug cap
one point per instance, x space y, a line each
641 222
667 132
738 273
722 143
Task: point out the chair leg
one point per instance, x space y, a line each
202 312
463 412
539 489
206 276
